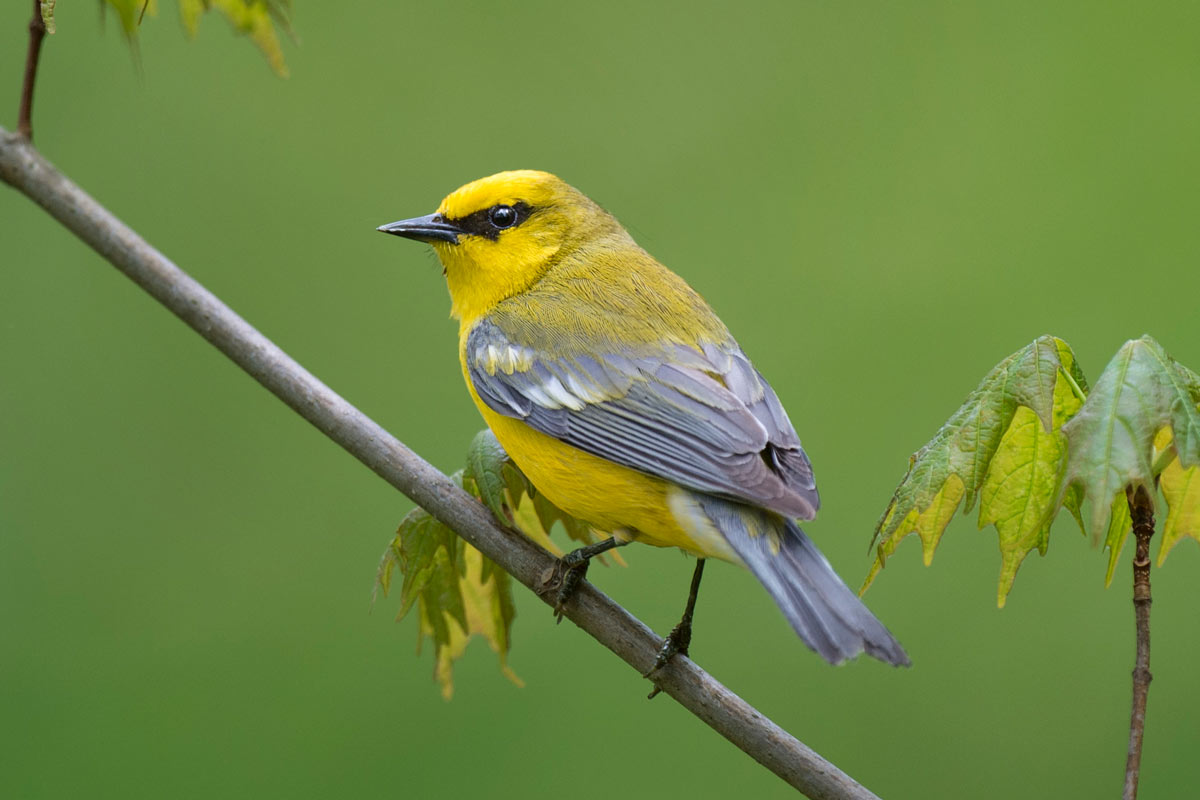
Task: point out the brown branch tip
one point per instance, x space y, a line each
37 32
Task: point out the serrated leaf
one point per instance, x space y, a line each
928 523
965 444
456 594
1141 391
1018 496
1020 493
485 464
387 565
953 467
1181 489
1073 502
428 559
441 598
257 19
1120 524
490 613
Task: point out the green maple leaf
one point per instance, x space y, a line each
1028 442
1140 392
458 591
1005 446
1018 495
489 475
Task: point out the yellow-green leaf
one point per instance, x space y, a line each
489 611
1181 489
260 20
1120 523
257 19
1018 496
928 523
456 595
955 466
458 592
1020 493
529 522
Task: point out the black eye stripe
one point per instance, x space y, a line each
479 223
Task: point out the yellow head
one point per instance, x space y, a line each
498 235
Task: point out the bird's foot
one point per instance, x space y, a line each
676 644
563 578
680 637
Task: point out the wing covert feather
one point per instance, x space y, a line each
700 417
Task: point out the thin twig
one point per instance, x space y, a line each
24 168
37 32
1141 509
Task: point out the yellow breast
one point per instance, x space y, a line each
610 497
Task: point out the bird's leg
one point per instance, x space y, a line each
571 568
680 637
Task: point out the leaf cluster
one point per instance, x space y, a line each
1031 440
260 20
459 592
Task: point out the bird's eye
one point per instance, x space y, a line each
502 216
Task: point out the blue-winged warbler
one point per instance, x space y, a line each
626 401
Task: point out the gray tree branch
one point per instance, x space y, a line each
25 169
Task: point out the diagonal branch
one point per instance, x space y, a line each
37 32
25 169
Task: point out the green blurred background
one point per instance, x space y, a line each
881 200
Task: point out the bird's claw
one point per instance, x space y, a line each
676 644
562 579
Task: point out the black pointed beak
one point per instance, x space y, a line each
429 228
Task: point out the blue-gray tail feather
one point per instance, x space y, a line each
820 607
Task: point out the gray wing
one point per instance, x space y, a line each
703 417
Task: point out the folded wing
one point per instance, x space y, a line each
701 417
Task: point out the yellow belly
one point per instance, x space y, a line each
610 497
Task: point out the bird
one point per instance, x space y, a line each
618 392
